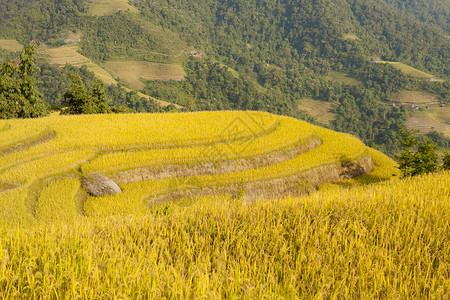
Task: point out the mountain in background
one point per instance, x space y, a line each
358 66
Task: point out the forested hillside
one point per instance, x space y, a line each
258 54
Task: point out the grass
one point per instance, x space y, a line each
408 70
133 71
383 241
11 45
107 7
414 97
320 110
153 154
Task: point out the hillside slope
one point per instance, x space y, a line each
255 55
158 158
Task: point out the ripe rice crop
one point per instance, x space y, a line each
50 154
382 241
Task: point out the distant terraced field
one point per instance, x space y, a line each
434 119
11 45
69 55
133 71
320 110
156 158
415 97
343 78
107 7
408 69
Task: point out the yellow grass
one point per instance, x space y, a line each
133 71
11 45
416 97
320 110
107 7
408 70
384 241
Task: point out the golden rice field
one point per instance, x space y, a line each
214 205
11 45
389 240
157 158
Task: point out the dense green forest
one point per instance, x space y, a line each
257 54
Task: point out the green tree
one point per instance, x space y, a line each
416 158
81 101
446 161
19 98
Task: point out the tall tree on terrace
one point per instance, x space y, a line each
81 101
19 97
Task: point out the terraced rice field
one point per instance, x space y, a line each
320 110
343 78
434 119
156 158
133 71
414 97
11 45
107 7
69 55
408 69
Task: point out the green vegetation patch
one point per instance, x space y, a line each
408 70
107 7
320 110
133 71
11 45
